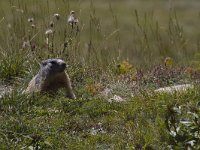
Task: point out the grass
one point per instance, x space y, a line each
60 123
118 51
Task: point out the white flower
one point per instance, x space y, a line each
33 147
47 41
172 133
186 122
191 143
177 109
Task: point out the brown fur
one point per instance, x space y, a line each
51 83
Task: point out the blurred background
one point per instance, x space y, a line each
141 31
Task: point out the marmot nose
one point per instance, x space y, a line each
63 65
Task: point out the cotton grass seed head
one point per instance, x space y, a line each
20 10
9 25
72 18
72 12
57 16
48 32
33 26
30 19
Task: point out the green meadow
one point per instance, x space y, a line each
117 57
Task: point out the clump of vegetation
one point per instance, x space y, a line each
183 123
12 66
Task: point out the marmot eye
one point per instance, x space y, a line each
53 62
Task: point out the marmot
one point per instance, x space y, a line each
50 78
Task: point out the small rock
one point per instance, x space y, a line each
5 89
106 92
116 98
175 88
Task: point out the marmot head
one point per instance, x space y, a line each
52 66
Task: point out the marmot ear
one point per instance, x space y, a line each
44 62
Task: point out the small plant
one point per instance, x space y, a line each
94 89
183 124
196 62
160 76
124 67
12 66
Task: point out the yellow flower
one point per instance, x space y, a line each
94 88
124 67
126 71
189 71
168 61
